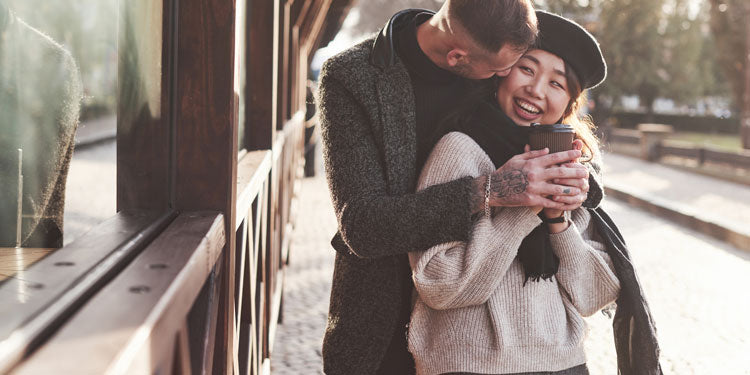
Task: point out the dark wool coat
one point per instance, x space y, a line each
367 118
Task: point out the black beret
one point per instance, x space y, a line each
573 44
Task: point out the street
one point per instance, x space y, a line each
696 288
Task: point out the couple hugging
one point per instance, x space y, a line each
459 249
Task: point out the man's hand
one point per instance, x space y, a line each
527 180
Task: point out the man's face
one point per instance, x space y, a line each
485 65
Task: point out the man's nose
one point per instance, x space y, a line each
503 73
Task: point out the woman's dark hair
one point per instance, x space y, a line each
583 125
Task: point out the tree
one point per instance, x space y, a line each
373 14
731 29
633 46
88 30
654 48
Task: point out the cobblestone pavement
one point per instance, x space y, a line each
697 288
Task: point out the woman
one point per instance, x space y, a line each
511 298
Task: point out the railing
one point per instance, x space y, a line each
35 302
267 185
628 136
162 313
139 323
662 148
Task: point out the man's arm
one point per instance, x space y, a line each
372 222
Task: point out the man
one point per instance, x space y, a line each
380 102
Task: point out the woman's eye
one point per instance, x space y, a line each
557 84
527 69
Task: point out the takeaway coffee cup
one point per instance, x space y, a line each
557 137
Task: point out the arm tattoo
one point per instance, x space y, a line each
509 183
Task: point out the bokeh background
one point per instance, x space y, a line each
679 62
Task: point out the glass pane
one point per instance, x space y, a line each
240 68
58 75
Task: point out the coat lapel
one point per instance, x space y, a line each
398 123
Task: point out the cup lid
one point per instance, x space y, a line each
563 128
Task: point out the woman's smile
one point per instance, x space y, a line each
527 109
535 90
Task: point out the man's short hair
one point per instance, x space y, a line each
495 23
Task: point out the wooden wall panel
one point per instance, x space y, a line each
206 136
262 74
284 79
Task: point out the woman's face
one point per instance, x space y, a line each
535 90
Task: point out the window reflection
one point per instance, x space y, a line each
57 95
240 74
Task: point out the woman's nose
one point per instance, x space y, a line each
535 89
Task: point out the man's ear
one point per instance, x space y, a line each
456 56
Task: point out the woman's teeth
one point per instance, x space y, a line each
528 107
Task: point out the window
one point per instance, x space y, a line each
58 80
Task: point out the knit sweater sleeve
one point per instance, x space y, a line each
374 222
464 273
586 272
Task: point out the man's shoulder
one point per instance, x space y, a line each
354 61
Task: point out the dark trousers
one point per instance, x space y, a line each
578 370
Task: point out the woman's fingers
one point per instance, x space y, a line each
549 203
570 200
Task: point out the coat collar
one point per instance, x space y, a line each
383 54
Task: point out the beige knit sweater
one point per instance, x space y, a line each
472 312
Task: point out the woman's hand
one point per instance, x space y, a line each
526 180
572 202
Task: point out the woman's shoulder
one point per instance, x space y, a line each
457 141
456 155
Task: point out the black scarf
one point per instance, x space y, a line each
502 139
633 326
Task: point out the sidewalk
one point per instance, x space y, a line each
714 207
95 131
696 287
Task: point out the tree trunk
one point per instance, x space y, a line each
745 113
649 104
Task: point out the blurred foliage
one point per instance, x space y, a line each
371 15
654 48
88 30
726 142
729 24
